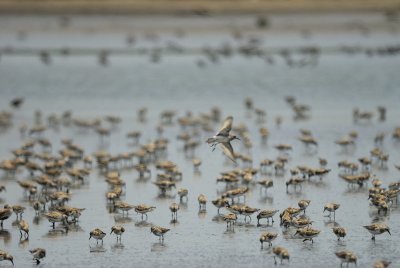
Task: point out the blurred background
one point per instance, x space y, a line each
197 7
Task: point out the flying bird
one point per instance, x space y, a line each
224 139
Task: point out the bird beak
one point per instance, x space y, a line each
388 231
324 210
90 237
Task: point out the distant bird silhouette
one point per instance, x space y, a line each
17 102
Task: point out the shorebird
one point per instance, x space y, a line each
283 147
224 139
266 183
346 256
230 219
361 115
247 211
266 214
220 203
287 216
37 254
295 181
124 206
5 256
5 213
281 252
23 227
164 185
264 133
236 193
196 164
174 207
267 237
381 264
340 232
322 162
308 233
118 231
72 212
55 216
331 207
377 229
98 235
265 165
182 192
143 170
202 201
303 204
345 142
159 231
376 182
143 209
308 140
301 222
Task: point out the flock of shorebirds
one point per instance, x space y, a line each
245 45
53 175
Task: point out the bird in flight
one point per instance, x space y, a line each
224 139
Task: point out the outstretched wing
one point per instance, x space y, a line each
228 151
226 127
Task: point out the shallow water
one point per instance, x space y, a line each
333 87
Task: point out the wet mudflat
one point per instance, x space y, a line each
333 85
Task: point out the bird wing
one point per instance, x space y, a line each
369 227
164 230
228 150
226 127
